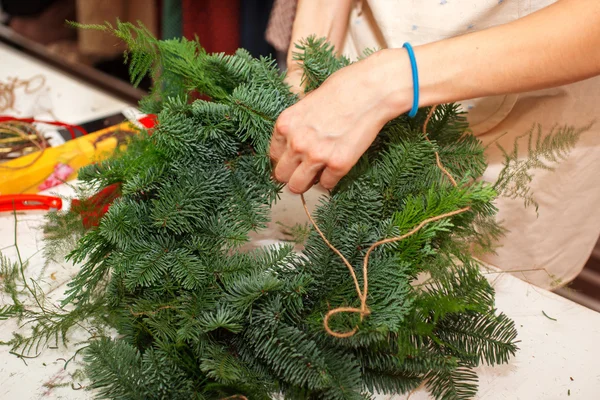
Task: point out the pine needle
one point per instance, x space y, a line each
549 317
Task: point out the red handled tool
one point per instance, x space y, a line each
24 202
93 208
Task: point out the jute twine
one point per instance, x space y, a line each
8 88
363 310
21 138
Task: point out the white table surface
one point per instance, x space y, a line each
69 100
63 98
555 358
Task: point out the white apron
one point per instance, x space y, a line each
559 241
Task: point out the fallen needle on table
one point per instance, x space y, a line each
547 316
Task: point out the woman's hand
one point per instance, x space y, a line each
334 125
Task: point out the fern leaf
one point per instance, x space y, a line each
543 152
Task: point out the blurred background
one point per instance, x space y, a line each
260 26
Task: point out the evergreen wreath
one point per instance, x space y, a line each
197 318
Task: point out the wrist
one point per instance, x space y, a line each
392 75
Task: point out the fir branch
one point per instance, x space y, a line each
114 368
482 337
319 60
462 289
221 318
247 289
458 384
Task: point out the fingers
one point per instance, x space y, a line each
277 147
308 141
304 177
301 173
287 165
286 161
299 160
279 139
332 175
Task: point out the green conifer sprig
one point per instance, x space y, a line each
8 311
318 60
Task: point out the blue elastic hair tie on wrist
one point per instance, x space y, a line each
415 76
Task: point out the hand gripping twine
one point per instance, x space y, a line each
363 310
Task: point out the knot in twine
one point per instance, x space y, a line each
363 310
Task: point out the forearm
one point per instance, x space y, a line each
554 46
322 18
